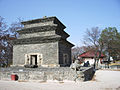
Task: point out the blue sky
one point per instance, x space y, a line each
77 15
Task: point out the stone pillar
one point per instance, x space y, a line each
39 59
27 59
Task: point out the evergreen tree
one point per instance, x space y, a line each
111 42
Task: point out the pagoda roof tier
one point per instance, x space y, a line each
67 43
44 21
37 29
35 40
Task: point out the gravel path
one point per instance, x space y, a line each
104 80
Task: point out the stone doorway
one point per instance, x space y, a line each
33 60
65 59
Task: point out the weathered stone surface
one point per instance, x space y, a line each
37 40
45 40
43 21
44 74
38 34
37 29
49 52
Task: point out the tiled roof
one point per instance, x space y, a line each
90 54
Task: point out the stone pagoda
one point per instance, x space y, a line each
42 43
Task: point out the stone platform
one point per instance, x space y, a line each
44 74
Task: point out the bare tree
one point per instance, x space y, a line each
15 26
3 28
3 25
6 35
91 39
77 51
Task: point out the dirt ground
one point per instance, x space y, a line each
103 80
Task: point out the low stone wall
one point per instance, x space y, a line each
116 67
44 74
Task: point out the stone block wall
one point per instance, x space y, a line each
44 74
48 51
41 34
64 49
39 24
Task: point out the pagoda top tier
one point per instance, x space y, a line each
53 21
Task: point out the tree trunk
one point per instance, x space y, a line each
95 58
108 61
94 63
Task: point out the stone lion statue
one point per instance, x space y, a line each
76 65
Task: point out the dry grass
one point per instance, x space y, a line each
108 88
22 81
42 81
111 69
61 82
